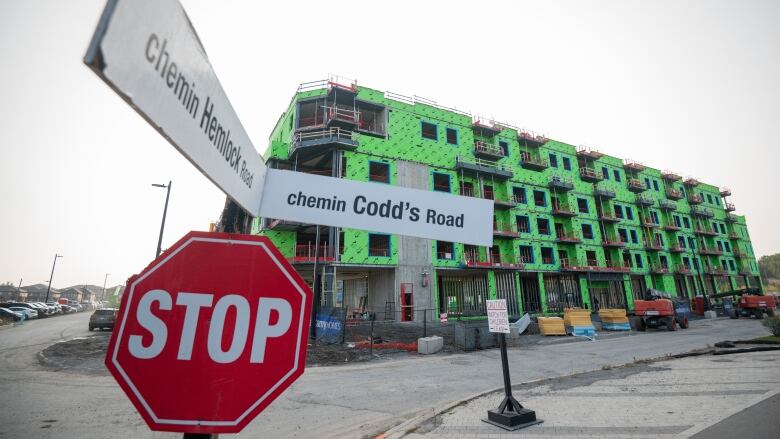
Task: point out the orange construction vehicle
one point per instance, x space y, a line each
660 309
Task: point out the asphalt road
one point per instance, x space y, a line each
756 422
355 400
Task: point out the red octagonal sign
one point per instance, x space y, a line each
210 333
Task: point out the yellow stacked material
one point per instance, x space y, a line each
576 317
551 326
613 316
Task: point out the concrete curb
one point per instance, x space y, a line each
705 425
48 362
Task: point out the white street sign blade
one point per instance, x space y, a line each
314 199
149 53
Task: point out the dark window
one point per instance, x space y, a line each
676 221
518 194
605 172
720 245
379 245
691 243
715 227
655 185
634 238
526 254
452 136
629 213
582 204
543 225
727 246
687 262
619 211
441 182
428 131
487 192
504 147
732 266
647 183
722 229
523 224
553 160
547 255
623 235
681 241
638 259
592 260
626 259
617 175
378 171
687 222
664 261
467 188
697 263
566 164
659 239
540 199
654 216
445 250
709 199
587 231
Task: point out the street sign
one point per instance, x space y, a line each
210 333
498 319
149 53
314 199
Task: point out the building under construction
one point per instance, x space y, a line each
573 227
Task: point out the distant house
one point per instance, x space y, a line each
10 293
37 293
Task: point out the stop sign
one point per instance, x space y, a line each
210 333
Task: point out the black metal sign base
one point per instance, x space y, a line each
510 414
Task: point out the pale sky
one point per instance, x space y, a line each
689 86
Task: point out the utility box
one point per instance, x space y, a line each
430 345
474 335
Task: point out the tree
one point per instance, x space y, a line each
769 266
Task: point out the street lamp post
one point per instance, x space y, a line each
165 212
104 287
48 288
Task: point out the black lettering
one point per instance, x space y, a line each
355 208
169 78
431 216
206 115
414 214
164 53
301 199
341 206
290 199
152 38
459 221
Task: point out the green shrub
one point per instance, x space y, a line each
773 323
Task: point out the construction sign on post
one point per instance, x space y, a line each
498 318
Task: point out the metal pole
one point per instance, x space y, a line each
165 212
315 285
48 288
105 279
505 365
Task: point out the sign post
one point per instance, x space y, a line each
510 414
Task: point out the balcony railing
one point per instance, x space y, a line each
566 237
575 264
633 165
671 227
485 149
563 209
671 176
648 222
705 230
667 205
490 260
730 207
731 218
530 138
527 161
733 236
502 229
608 216
715 271
701 211
562 183
691 182
590 175
674 194
725 192
652 245
322 137
676 249
740 254
644 200
584 151
342 116
659 269
306 253
695 199
709 250
612 241
635 185
480 166
682 269
604 192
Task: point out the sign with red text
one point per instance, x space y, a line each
498 318
210 333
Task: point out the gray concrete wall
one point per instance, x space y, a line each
381 288
414 254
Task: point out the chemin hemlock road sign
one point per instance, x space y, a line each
148 52
210 333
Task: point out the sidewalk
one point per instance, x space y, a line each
667 399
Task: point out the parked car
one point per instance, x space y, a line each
56 306
66 309
102 318
42 309
28 313
8 314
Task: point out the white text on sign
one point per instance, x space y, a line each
193 302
